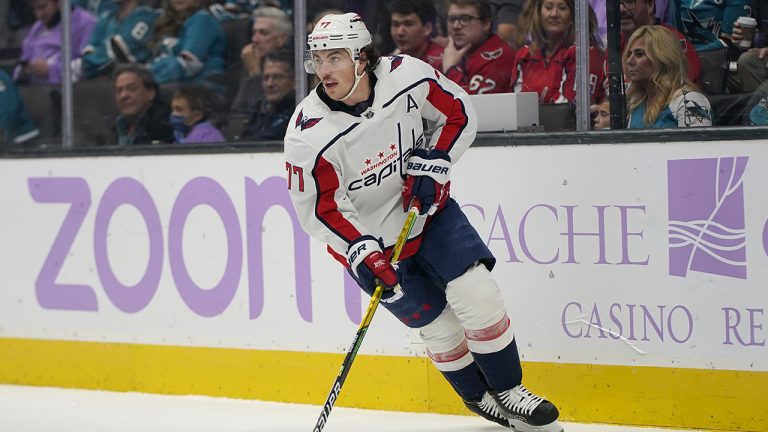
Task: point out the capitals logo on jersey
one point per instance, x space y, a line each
491 55
396 62
306 122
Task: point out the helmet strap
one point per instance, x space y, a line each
357 77
357 81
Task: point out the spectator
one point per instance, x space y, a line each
232 9
547 65
475 58
602 116
505 14
97 7
412 24
638 13
121 36
708 23
189 43
751 68
270 119
40 61
15 125
524 24
272 31
602 22
660 95
143 117
190 113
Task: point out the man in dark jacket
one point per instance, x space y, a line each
270 119
143 118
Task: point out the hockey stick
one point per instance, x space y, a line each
346 365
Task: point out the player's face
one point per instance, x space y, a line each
556 17
277 81
409 33
465 26
336 71
636 13
265 38
640 68
131 97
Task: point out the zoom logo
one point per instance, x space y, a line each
706 216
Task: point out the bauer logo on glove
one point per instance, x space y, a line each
427 185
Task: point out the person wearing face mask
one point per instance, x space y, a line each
40 61
358 161
190 117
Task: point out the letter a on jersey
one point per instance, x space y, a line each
411 104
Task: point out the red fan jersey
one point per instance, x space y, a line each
533 72
596 75
487 68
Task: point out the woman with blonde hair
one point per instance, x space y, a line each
660 95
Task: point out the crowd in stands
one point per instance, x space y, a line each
188 71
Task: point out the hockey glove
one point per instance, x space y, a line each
368 263
427 184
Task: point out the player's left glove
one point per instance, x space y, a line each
427 185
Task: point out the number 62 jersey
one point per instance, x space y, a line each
346 167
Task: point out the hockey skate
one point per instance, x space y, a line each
487 408
527 412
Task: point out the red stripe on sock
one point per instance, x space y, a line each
452 355
489 333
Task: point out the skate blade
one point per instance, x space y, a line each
525 427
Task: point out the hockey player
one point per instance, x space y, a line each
357 157
476 58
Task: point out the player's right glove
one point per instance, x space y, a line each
369 264
427 185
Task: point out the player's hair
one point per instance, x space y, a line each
372 56
424 9
539 40
283 23
484 11
146 77
670 75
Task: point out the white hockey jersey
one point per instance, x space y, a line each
346 171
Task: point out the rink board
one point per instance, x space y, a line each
634 276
